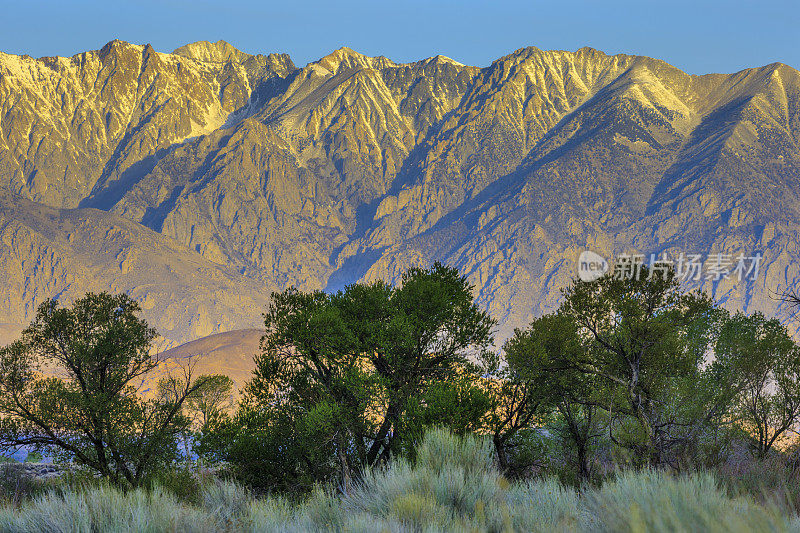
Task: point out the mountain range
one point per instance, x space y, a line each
199 181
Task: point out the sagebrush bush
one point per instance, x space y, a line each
270 515
16 486
441 448
656 501
451 475
227 502
545 505
772 480
452 486
106 509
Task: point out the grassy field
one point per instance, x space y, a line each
453 486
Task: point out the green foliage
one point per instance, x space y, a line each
629 359
33 457
620 373
641 343
90 413
263 451
382 408
526 453
578 432
459 404
345 380
213 395
547 355
181 481
766 362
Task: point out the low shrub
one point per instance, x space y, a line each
656 501
452 486
227 502
545 505
106 509
772 481
18 486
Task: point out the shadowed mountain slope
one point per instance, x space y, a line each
47 252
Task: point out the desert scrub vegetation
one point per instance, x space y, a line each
635 406
633 373
452 485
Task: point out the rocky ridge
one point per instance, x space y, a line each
356 167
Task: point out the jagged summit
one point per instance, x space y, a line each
439 58
115 44
217 52
345 57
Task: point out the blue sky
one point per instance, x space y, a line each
697 36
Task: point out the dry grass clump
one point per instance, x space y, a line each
452 486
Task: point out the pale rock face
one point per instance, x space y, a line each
355 168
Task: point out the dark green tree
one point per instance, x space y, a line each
516 406
460 404
548 354
436 334
70 387
344 380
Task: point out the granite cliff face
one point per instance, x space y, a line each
357 167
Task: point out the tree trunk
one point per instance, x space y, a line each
584 472
500 448
392 414
346 476
652 453
580 438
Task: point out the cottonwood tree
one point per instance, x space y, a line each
767 362
436 333
313 385
516 405
212 396
69 387
548 355
523 391
648 342
339 381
